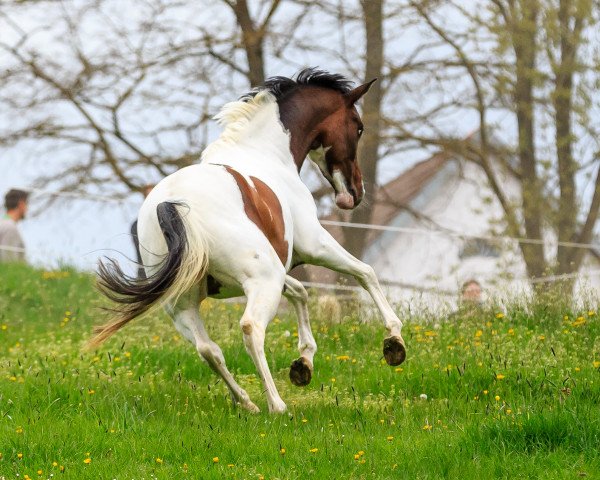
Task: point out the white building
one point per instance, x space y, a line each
432 205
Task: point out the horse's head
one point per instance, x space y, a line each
335 147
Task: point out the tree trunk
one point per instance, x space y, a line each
252 38
368 152
524 45
566 224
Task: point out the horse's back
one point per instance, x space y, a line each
215 203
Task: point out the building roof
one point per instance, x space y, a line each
393 197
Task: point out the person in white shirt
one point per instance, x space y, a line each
12 248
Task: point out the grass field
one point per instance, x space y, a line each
512 394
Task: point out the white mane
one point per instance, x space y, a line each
235 116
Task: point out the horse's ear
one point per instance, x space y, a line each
354 95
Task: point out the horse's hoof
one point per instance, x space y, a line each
301 372
250 407
277 407
394 350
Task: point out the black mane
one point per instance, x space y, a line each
280 87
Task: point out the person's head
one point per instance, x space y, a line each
15 202
471 291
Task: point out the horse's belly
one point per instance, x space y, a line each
222 289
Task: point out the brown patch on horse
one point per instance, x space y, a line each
263 208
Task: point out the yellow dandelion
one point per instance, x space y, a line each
215 459
39 472
427 427
304 420
499 376
361 452
282 451
230 465
4 327
313 450
497 398
430 333
389 438
159 460
596 364
577 369
399 369
508 411
542 337
499 315
19 430
511 331
478 333
19 456
263 435
343 358
91 391
591 313
579 321
55 464
333 380
62 468
87 461
356 456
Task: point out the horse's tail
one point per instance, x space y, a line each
183 266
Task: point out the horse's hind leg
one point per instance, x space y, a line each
186 316
302 368
264 295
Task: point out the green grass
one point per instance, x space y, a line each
510 397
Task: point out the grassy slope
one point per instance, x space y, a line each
144 406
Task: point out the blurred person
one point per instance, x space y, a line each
470 301
471 292
12 248
134 236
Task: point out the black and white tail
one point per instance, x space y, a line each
183 266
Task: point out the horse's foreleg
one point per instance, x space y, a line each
263 296
302 368
329 253
187 320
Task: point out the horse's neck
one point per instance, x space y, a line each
264 132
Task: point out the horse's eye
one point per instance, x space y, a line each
360 131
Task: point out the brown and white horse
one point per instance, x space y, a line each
241 219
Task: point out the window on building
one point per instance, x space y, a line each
478 247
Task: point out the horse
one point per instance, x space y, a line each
238 221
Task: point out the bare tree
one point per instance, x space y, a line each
527 58
113 103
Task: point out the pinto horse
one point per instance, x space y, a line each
238 221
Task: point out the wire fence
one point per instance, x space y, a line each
373 227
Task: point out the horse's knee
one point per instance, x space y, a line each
247 326
366 274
